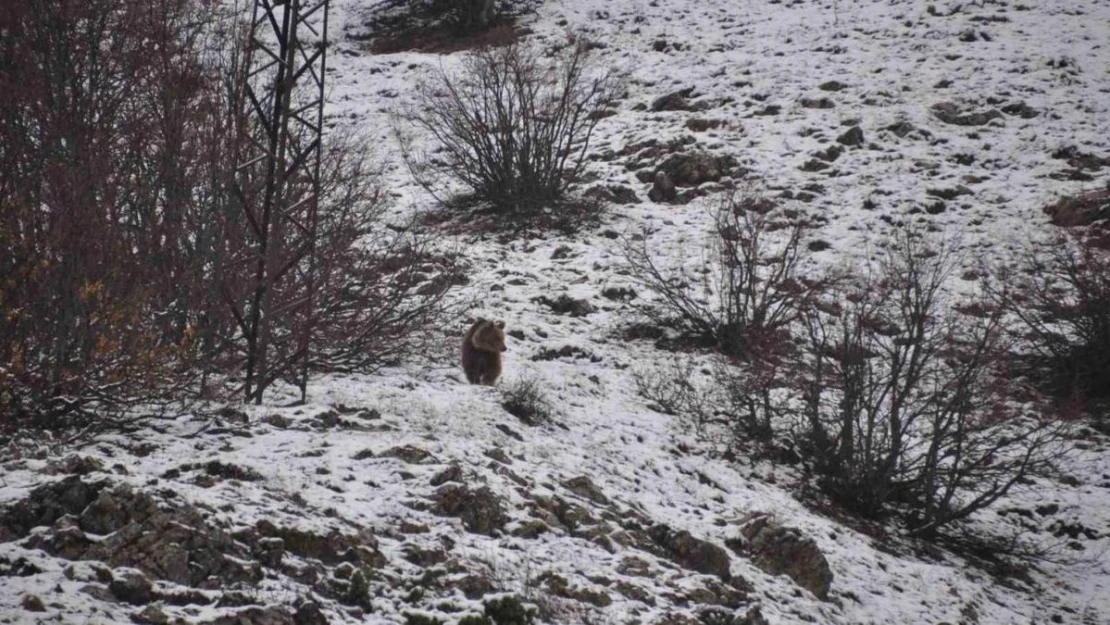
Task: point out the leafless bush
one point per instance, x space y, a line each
526 400
102 125
899 400
511 126
909 404
754 290
1060 293
731 405
380 292
121 237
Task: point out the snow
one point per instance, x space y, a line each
741 55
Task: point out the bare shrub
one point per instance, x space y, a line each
526 399
512 127
379 291
728 404
1060 293
752 294
909 404
103 124
754 290
121 240
900 399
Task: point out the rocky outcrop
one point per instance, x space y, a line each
782 550
479 510
695 168
689 552
950 113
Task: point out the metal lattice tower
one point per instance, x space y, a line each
277 181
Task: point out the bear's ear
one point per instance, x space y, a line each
501 324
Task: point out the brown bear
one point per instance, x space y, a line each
481 351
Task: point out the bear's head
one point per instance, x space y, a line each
490 336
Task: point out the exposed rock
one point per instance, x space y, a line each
531 529
508 431
46 504
20 567
817 103
1081 160
233 415
618 293
115 508
584 487
1020 109
560 587
173 542
278 421
1083 209
269 615
32 603
472 586
164 540
88 572
689 552
333 547
423 557
677 101
98 592
479 510
452 473
567 305
559 512
308 613
949 193
830 154
903 128
949 113
567 351
782 550
497 454
614 193
651 150
712 591
224 471
814 165
74 464
831 85
852 138
409 453
635 592
693 169
132 587
698 124
150 615
270 551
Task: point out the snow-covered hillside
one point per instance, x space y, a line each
609 514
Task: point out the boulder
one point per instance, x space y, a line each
677 101
782 550
692 553
695 168
132 587
949 113
479 510
853 137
